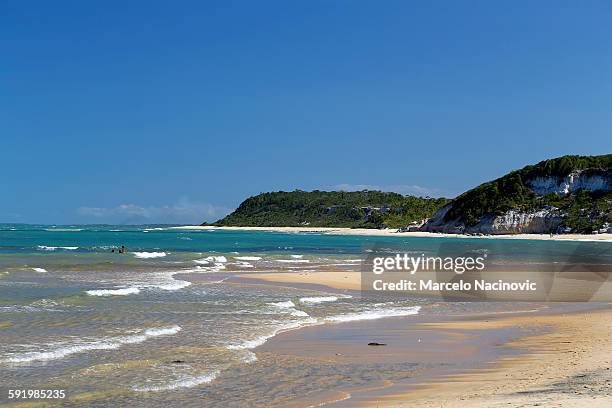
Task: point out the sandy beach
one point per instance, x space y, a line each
333 279
568 366
556 355
393 233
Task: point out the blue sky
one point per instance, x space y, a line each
176 111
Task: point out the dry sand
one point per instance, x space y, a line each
333 279
394 233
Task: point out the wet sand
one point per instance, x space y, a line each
392 232
553 355
490 360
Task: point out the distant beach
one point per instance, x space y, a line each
390 232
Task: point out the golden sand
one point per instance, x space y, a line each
391 232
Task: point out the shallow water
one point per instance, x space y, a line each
165 322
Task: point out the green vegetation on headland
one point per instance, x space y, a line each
585 207
355 209
566 194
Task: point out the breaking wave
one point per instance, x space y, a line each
318 299
375 314
258 341
289 307
113 292
147 255
61 349
53 248
186 382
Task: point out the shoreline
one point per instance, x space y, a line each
507 358
393 233
482 361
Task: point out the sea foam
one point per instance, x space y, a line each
53 248
248 258
289 307
186 382
258 341
177 285
113 292
147 255
61 350
375 314
318 299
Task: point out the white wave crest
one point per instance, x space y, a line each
299 313
248 258
39 270
210 267
176 285
147 255
185 382
162 331
61 350
318 299
258 341
210 260
286 304
217 259
113 292
53 248
375 314
289 307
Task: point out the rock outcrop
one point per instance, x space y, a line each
511 222
548 197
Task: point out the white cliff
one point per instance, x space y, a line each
543 220
575 181
512 222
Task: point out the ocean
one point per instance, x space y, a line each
168 321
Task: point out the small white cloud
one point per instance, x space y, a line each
183 212
405 189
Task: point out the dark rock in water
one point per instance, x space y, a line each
376 344
177 361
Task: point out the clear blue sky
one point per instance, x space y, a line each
151 111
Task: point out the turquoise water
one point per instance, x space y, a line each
169 321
